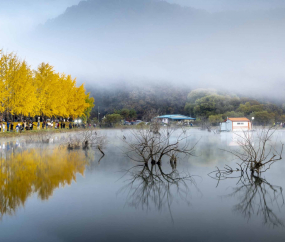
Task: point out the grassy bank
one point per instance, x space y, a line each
9 134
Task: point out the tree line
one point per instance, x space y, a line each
42 92
209 104
142 97
118 116
149 100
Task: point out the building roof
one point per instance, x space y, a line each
239 119
176 117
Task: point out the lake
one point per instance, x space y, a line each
50 193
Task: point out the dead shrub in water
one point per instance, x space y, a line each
87 139
150 186
155 127
205 125
255 194
73 142
145 145
257 158
39 138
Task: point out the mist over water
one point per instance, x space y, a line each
67 195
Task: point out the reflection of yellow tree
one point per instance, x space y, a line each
32 171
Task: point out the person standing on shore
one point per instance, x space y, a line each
3 127
8 124
12 126
39 125
0 126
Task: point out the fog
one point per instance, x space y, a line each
231 45
231 5
22 15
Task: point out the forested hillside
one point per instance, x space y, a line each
143 98
203 104
209 104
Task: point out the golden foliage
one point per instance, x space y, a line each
40 92
36 171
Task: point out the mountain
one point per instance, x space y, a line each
127 23
137 41
99 13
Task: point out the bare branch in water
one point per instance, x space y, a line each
150 187
256 195
152 145
257 158
85 140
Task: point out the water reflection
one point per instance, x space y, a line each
235 139
41 171
151 187
255 195
258 197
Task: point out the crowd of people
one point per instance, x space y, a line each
10 126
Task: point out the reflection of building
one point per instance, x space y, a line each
174 117
236 124
236 139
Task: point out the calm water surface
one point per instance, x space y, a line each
51 194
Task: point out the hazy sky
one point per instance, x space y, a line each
22 15
237 5
238 49
19 16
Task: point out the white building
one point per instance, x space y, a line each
236 124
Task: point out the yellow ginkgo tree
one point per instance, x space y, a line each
41 92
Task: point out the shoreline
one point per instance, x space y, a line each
7 134
14 134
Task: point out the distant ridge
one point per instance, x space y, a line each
96 12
